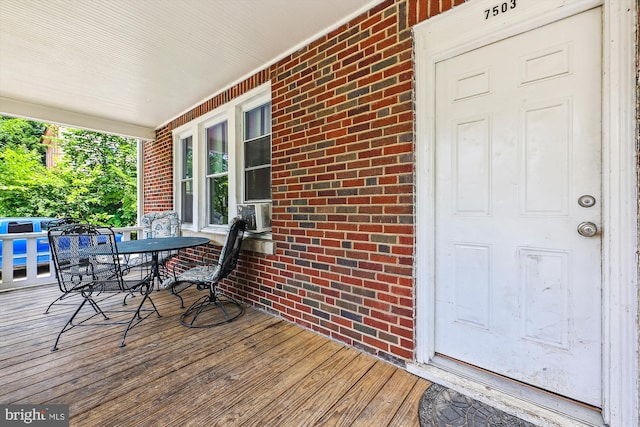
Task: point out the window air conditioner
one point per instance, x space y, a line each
257 216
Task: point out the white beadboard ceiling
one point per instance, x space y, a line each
130 66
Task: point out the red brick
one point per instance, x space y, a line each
345 162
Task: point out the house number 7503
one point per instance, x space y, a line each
500 8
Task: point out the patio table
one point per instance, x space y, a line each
156 245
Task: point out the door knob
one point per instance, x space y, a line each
587 201
587 229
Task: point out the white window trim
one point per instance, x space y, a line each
232 112
202 171
242 108
178 166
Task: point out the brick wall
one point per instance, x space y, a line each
158 172
343 191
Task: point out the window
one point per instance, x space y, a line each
257 153
223 159
186 180
217 174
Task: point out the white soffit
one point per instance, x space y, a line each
129 66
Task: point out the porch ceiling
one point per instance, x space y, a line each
128 67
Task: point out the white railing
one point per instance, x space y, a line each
33 274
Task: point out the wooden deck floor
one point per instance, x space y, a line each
258 371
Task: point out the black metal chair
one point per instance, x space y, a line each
87 263
52 224
214 308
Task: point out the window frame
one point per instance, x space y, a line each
233 113
179 175
205 173
246 107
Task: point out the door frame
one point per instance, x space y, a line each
458 31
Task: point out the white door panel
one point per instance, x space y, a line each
517 144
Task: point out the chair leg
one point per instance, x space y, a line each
60 298
129 294
177 294
69 323
137 317
210 303
154 307
96 307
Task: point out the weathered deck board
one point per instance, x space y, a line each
256 371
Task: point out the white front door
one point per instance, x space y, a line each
517 170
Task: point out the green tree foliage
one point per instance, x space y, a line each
27 188
102 170
95 179
16 133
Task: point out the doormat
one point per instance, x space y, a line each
443 407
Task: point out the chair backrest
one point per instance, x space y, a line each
160 224
59 222
84 254
231 250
